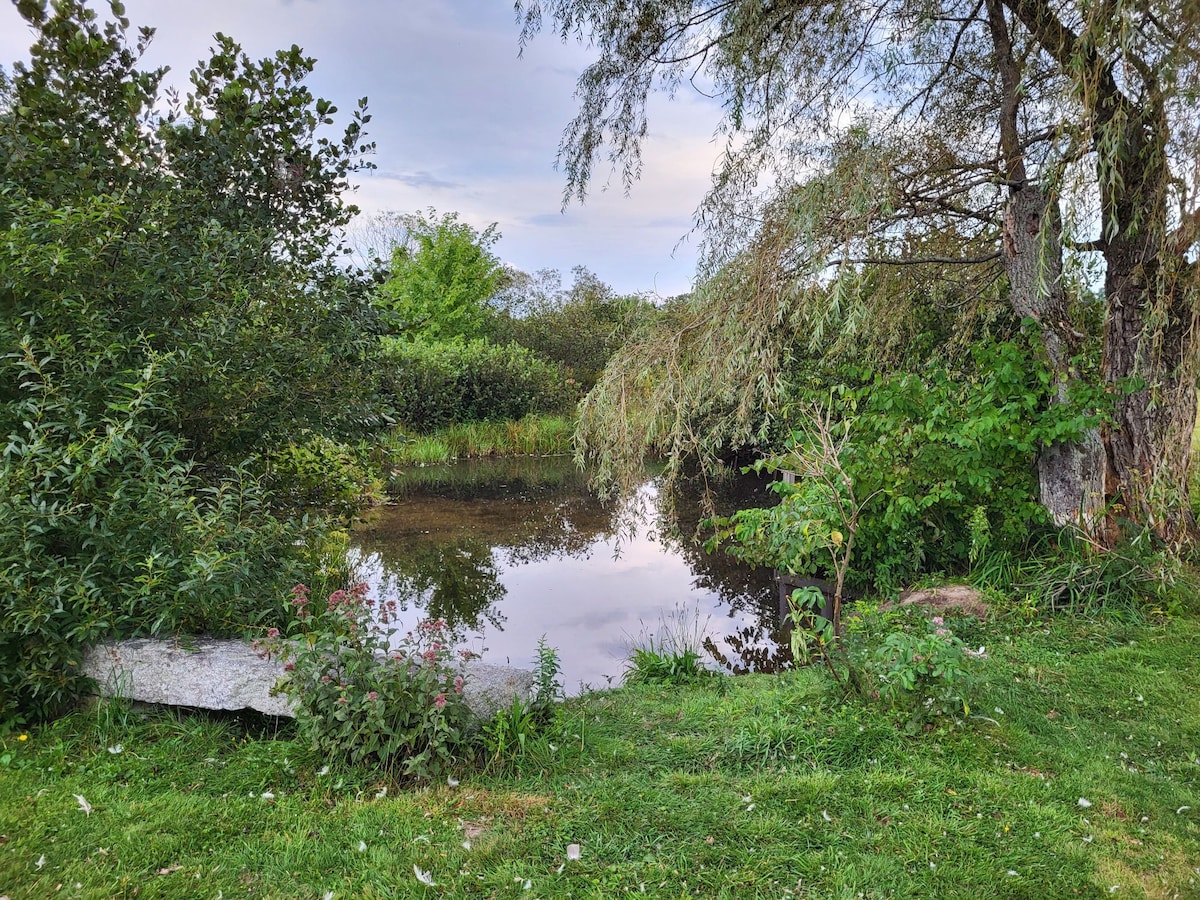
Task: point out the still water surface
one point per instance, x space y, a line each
510 550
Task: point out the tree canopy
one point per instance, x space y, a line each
955 151
442 275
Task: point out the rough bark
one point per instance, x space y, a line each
1150 339
1070 474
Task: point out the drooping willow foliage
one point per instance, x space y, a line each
886 155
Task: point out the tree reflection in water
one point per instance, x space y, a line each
459 538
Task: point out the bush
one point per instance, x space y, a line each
434 385
316 473
942 467
106 532
364 698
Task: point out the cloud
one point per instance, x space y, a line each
549 220
420 180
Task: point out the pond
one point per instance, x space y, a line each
508 551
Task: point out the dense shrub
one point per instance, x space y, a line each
107 532
579 329
434 385
942 466
173 314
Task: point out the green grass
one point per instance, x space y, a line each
530 436
762 786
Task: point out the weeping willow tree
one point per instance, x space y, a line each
877 147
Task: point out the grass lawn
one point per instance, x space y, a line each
1079 777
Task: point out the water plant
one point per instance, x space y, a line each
672 655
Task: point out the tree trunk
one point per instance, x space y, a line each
1150 342
1070 474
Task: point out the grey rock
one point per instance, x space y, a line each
209 673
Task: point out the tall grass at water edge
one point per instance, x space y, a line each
670 653
530 436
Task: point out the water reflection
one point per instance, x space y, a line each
509 550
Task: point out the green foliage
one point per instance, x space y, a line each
809 629
920 667
364 697
673 656
107 531
511 732
315 473
1068 572
578 329
434 385
443 273
933 456
547 686
172 316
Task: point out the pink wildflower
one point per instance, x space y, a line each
458 685
938 620
289 667
429 656
374 695
342 700
337 598
440 701
272 632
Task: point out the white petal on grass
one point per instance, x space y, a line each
1085 802
41 861
324 770
1012 873
1182 810
574 851
267 795
826 816
328 895
424 877
466 845
115 749
362 846
381 793
452 782
83 804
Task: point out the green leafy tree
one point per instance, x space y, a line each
579 328
1042 144
173 317
442 275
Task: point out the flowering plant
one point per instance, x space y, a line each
362 694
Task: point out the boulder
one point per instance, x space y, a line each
948 598
210 673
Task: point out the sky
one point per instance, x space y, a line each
464 124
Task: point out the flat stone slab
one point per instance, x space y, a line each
211 673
